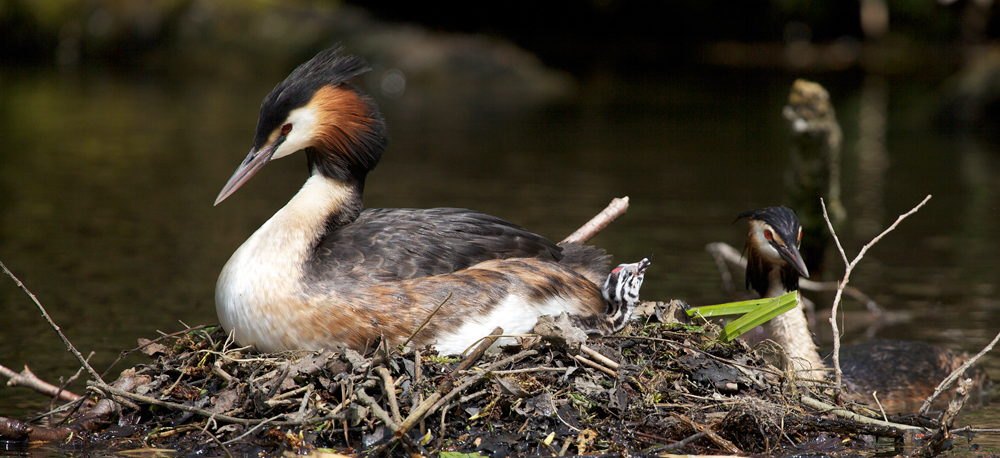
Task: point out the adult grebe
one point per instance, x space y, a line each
323 272
902 373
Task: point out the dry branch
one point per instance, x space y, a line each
616 208
69 345
956 374
28 379
838 373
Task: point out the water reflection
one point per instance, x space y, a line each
108 182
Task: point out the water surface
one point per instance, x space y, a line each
107 183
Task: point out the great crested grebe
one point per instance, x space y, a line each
323 272
903 373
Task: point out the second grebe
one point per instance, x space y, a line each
903 373
323 272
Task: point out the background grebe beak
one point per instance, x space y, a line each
251 165
791 254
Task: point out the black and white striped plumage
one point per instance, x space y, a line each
621 291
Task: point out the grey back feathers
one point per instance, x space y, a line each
398 244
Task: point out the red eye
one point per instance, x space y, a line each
285 129
800 234
768 235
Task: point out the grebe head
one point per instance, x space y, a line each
773 243
316 110
623 283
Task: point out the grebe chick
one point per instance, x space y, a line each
323 272
902 373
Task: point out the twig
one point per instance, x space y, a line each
526 370
954 375
594 365
437 400
205 413
301 415
390 391
710 434
251 430
599 357
679 444
844 413
838 373
428 319
616 208
880 408
479 376
69 345
474 355
216 439
28 379
938 442
376 409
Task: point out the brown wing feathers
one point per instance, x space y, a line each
395 309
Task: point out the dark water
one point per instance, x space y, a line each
107 183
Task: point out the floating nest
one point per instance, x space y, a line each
656 388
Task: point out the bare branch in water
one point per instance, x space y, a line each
838 373
69 345
28 379
956 374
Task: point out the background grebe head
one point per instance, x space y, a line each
773 243
316 110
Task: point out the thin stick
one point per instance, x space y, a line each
484 344
838 373
437 400
710 434
28 379
69 345
679 444
880 408
428 319
594 365
954 375
216 439
525 370
251 430
206 413
390 391
377 410
616 208
844 413
599 357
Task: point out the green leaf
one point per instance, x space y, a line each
775 306
729 308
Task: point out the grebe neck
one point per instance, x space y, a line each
271 263
791 331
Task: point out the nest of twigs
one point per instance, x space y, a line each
652 389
